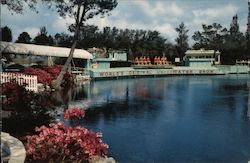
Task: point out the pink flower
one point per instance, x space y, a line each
58 143
74 113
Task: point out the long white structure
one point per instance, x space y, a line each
42 50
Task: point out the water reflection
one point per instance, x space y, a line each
170 119
248 111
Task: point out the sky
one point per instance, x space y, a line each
161 15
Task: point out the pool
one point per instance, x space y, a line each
170 119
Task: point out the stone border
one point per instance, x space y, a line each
17 150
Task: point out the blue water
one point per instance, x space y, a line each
171 119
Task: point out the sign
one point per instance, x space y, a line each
153 72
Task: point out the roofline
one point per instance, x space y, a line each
202 52
42 50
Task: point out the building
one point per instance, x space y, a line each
201 58
27 54
113 59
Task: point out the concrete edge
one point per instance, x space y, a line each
17 150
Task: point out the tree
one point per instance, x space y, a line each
23 38
88 37
63 40
81 11
231 43
182 39
42 38
212 37
6 34
234 26
17 6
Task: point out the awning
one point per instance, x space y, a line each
42 50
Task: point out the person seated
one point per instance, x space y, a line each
164 60
155 60
159 60
148 61
144 61
136 61
140 61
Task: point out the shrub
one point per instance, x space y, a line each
15 95
42 76
54 71
47 74
59 143
74 113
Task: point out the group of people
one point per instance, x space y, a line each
147 61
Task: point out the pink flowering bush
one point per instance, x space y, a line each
58 143
54 71
74 113
48 74
42 76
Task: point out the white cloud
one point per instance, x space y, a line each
159 8
228 10
161 15
220 15
33 31
119 23
166 29
61 24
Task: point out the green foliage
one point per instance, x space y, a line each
42 38
134 42
17 6
231 43
63 40
24 37
26 109
91 8
182 39
6 34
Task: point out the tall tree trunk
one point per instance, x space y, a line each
79 20
59 79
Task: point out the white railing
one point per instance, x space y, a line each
244 62
29 80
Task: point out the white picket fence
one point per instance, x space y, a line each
30 80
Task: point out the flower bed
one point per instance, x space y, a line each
74 113
42 76
15 95
48 74
59 143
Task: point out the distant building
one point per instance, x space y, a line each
27 54
98 52
201 58
118 55
114 58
